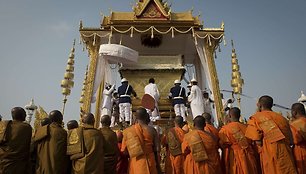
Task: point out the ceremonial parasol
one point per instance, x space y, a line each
115 53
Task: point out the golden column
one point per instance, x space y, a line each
67 83
93 49
209 51
237 82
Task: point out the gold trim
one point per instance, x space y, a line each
93 53
214 77
98 104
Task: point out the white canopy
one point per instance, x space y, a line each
115 53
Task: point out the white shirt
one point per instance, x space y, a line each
107 98
196 101
152 90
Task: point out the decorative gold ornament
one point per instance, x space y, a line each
67 83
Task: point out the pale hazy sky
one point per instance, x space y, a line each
36 37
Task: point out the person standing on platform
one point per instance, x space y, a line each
174 139
201 150
152 90
298 128
107 99
196 99
207 102
110 145
125 91
178 96
52 146
188 112
115 109
142 145
15 141
238 155
272 135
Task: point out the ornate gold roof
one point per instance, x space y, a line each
151 12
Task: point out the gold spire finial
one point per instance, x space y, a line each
222 25
67 83
237 82
84 86
81 25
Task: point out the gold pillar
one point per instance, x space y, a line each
98 104
93 55
209 51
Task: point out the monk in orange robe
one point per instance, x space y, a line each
141 142
51 143
110 145
272 135
174 138
15 140
209 127
123 159
298 128
88 157
201 150
238 154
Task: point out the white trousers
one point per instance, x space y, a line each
125 112
179 110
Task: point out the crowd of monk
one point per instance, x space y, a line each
267 144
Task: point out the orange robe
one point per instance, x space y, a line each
298 128
144 163
211 129
15 147
238 155
175 163
211 164
273 131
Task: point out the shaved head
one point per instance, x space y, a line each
56 116
45 121
72 124
88 118
234 113
18 113
199 122
141 114
207 117
266 102
179 121
105 121
297 109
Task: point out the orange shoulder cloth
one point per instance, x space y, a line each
196 145
174 143
134 141
270 129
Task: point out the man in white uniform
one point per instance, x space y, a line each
196 99
107 99
152 90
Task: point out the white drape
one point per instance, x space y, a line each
103 73
199 43
110 53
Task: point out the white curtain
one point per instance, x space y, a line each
110 53
199 43
103 73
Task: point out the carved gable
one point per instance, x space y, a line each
152 9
